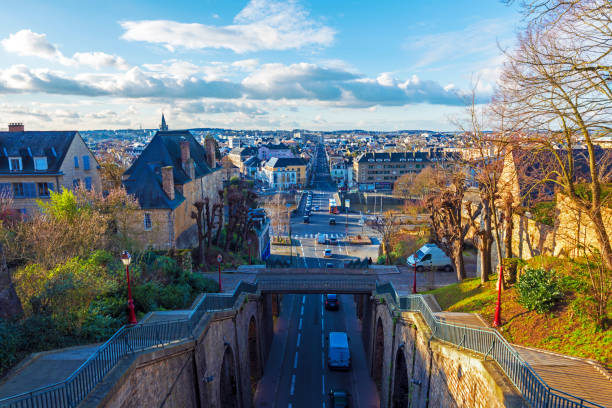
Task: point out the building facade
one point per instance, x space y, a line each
271 150
285 173
379 171
34 163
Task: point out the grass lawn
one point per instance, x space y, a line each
564 330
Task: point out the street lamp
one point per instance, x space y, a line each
497 318
414 289
219 260
126 259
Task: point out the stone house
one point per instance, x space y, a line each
172 173
34 163
285 173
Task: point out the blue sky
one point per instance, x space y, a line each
314 64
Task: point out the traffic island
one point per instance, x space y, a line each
359 240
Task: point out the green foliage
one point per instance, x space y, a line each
61 205
10 343
539 290
381 260
544 212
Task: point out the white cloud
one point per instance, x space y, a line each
30 44
475 39
261 25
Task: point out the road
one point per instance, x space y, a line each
296 373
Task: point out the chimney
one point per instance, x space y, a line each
16 127
184 153
168 181
210 152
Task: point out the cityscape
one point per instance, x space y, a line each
306 204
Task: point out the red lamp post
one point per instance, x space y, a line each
414 289
219 259
497 318
126 259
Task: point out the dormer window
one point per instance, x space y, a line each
15 164
40 163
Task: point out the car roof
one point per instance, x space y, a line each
332 296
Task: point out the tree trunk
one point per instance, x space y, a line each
485 260
602 237
458 261
508 227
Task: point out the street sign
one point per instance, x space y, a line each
219 258
347 203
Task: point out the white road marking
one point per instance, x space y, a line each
300 325
322 323
323 383
323 341
291 406
299 339
292 391
303 299
302 311
295 360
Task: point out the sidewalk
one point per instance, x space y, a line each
46 368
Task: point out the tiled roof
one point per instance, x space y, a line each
277 162
27 145
143 179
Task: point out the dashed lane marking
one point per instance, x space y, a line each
292 391
299 338
295 360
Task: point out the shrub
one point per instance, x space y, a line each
10 342
146 297
175 296
539 290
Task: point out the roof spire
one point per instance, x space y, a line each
163 126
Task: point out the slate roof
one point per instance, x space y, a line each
424 156
143 179
280 146
252 161
39 143
244 151
278 162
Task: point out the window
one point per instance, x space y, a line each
76 162
88 183
15 164
147 221
43 189
85 162
40 163
18 190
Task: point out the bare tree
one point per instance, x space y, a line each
387 225
447 225
556 83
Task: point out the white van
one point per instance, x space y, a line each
430 255
338 353
322 238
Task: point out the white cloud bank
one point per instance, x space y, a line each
261 25
27 43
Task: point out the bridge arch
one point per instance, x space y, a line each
228 382
254 357
401 387
379 351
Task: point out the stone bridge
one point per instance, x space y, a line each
213 355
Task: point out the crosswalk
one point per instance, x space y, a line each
312 236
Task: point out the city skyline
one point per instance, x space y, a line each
259 64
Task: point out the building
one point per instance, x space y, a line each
172 173
240 155
341 171
271 150
285 173
379 171
34 163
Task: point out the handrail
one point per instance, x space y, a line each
488 342
129 339
144 336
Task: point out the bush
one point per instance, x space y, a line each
10 344
175 296
539 290
381 260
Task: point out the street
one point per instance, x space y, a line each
296 373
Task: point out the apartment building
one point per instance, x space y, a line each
285 173
379 171
34 163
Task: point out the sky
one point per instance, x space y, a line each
258 64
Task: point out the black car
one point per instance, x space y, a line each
332 221
339 398
332 302
306 219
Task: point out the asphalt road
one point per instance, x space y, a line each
296 373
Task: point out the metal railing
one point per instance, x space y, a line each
127 340
489 343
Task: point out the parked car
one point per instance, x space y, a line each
327 253
430 255
339 399
316 208
322 238
306 219
332 221
338 352
332 302
333 241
